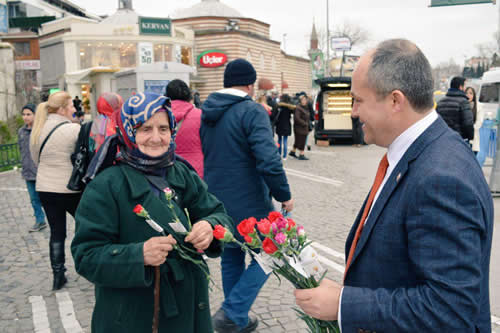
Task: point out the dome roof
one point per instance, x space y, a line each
122 17
207 8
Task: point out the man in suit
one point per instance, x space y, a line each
418 253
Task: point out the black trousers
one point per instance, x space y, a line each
56 205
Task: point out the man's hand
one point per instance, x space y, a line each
201 235
287 205
156 249
321 302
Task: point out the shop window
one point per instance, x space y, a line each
107 54
162 52
16 9
22 49
186 55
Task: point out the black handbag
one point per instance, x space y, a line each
80 159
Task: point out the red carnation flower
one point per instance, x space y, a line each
291 224
219 232
268 246
247 226
264 226
273 216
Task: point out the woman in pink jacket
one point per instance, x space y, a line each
188 120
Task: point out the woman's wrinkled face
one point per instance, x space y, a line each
153 137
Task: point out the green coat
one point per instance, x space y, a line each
108 251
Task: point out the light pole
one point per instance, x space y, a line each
327 69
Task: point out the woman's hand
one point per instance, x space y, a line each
201 235
156 249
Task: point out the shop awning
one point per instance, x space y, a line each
265 84
284 85
81 76
33 22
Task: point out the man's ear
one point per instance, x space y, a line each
398 100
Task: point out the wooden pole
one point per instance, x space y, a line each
156 310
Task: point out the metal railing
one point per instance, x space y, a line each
9 155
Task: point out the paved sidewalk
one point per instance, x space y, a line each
328 191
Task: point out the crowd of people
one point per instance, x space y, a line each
421 243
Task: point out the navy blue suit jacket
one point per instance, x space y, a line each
422 261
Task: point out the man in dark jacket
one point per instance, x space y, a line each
455 109
243 169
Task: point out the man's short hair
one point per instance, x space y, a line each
178 90
457 82
398 64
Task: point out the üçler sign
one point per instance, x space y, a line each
212 58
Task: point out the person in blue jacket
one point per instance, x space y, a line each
243 169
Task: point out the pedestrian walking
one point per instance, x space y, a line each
244 170
300 128
283 124
471 96
118 250
29 167
188 118
52 141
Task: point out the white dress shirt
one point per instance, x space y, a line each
395 152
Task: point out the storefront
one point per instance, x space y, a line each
222 34
73 48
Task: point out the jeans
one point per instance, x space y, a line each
35 201
283 139
486 133
241 286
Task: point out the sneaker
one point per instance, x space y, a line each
292 153
303 158
38 226
308 147
222 324
284 158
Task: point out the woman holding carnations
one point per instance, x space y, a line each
115 245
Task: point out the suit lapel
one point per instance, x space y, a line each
426 138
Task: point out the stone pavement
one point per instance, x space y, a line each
328 191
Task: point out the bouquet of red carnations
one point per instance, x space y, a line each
286 253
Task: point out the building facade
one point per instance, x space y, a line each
218 27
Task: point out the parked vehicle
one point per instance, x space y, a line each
489 94
333 109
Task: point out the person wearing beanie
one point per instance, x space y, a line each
28 166
243 169
188 119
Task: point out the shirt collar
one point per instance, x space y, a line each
401 144
232 91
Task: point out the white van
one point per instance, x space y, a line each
488 94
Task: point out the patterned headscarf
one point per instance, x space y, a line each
137 110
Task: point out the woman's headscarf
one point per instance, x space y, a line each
137 110
104 125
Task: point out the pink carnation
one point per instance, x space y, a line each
280 238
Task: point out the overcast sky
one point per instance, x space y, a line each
441 32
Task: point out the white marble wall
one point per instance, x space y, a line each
7 83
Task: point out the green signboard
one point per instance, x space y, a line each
155 26
439 3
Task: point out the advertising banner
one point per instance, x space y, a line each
155 26
4 18
317 65
145 53
155 86
212 58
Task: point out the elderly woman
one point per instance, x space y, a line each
118 250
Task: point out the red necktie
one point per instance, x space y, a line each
382 169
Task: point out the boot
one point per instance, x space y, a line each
57 263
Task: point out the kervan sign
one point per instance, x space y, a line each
155 26
212 58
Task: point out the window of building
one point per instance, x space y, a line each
249 56
22 49
186 55
273 63
262 61
489 93
119 55
17 9
162 52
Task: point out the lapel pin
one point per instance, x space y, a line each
398 177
